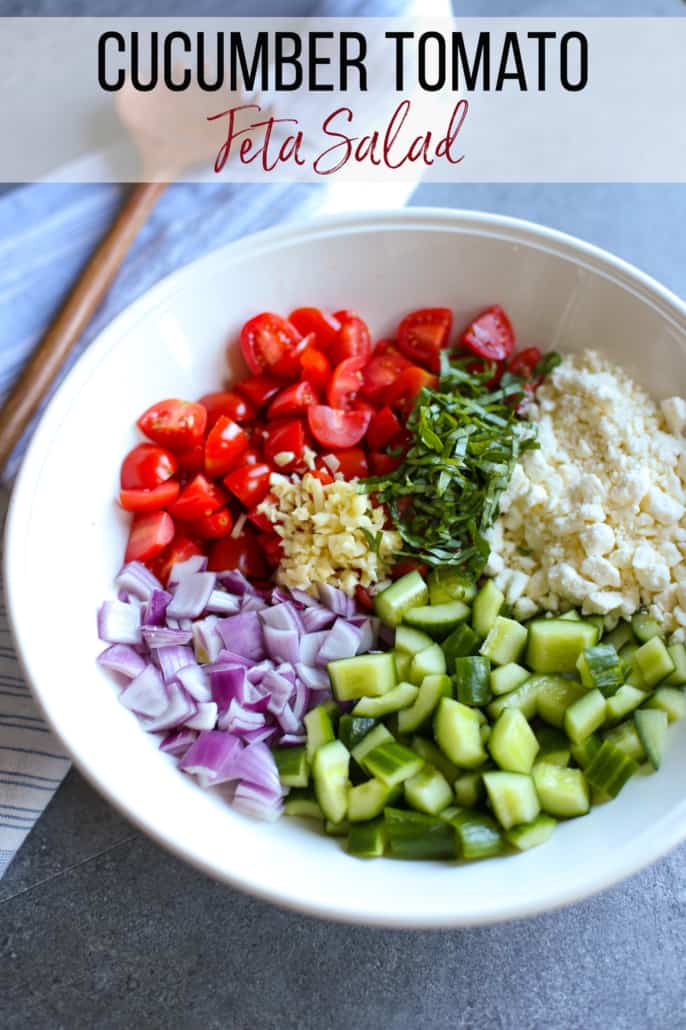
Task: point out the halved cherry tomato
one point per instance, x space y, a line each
523 363
402 394
198 499
213 526
272 546
346 382
352 463
224 446
282 438
401 568
146 466
260 521
382 428
243 553
250 483
259 389
383 369
251 457
293 400
150 533
322 474
382 464
312 320
364 598
265 339
192 460
490 336
315 368
288 366
423 333
354 339
175 424
150 500
228 403
180 549
333 428
481 366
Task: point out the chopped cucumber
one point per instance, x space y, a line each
427 750
367 840
379 735
469 789
508 677
513 797
610 769
319 730
584 716
446 584
627 740
485 732
302 803
571 616
432 689
411 641
487 605
531 835
437 620
293 766
670 700
677 652
462 642
513 743
402 664
428 791
478 835
410 591
415 835
332 829
553 746
429 662
352 729
624 701
505 641
555 644
368 799
473 679
645 627
402 696
525 698
622 634
584 752
654 661
330 771
456 727
651 726
366 675
562 792
392 763
555 695
601 667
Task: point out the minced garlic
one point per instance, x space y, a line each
331 533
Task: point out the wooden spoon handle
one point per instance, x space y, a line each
77 311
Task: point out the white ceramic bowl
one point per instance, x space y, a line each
65 538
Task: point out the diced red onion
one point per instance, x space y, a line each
301 700
279 596
312 677
177 742
180 708
205 717
213 755
171 658
237 719
292 739
336 600
252 603
232 658
123 659
160 636
287 670
342 641
310 646
235 582
258 703
282 616
257 802
264 734
196 681
119 623
243 634
316 618
146 694
287 720
305 599
223 603
366 641
191 595
156 608
256 673
282 644
256 764
137 580
318 697
181 569
280 690
226 680
206 639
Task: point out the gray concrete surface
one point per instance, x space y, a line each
100 928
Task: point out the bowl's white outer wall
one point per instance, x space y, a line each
65 538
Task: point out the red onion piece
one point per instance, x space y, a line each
119 623
122 659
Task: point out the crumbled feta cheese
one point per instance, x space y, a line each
674 412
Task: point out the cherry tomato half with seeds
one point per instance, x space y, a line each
364 598
250 483
272 547
259 520
198 499
293 400
251 457
401 568
175 424
337 429
524 363
224 446
423 333
192 460
146 466
281 439
313 320
382 370
490 336
288 367
243 553
346 383
265 340
382 428
323 474
259 389
383 464
213 526
180 549
352 463
150 533
315 368
403 393
354 339
150 500
228 403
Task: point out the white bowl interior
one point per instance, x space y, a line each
66 537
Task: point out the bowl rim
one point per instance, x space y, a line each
665 834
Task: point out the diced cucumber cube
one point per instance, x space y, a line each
599 622
367 840
610 769
432 689
562 792
368 799
478 835
554 645
524 697
583 753
651 726
487 605
416 835
484 732
330 771
427 750
319 730
601 667
399 697
624 701
332 829
670 700
508 677
512 742
392 763
469 789
532 835
654 661
505 641
411 641
428 791
553 746
410 591
366 675
437 620
584 716
645 627
352 729
626 739
554 697
293 766
571 616
429 662
456 727
302 803
677 652
379 735
473 680
622 634
446 584
402 665
462 642
513 797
